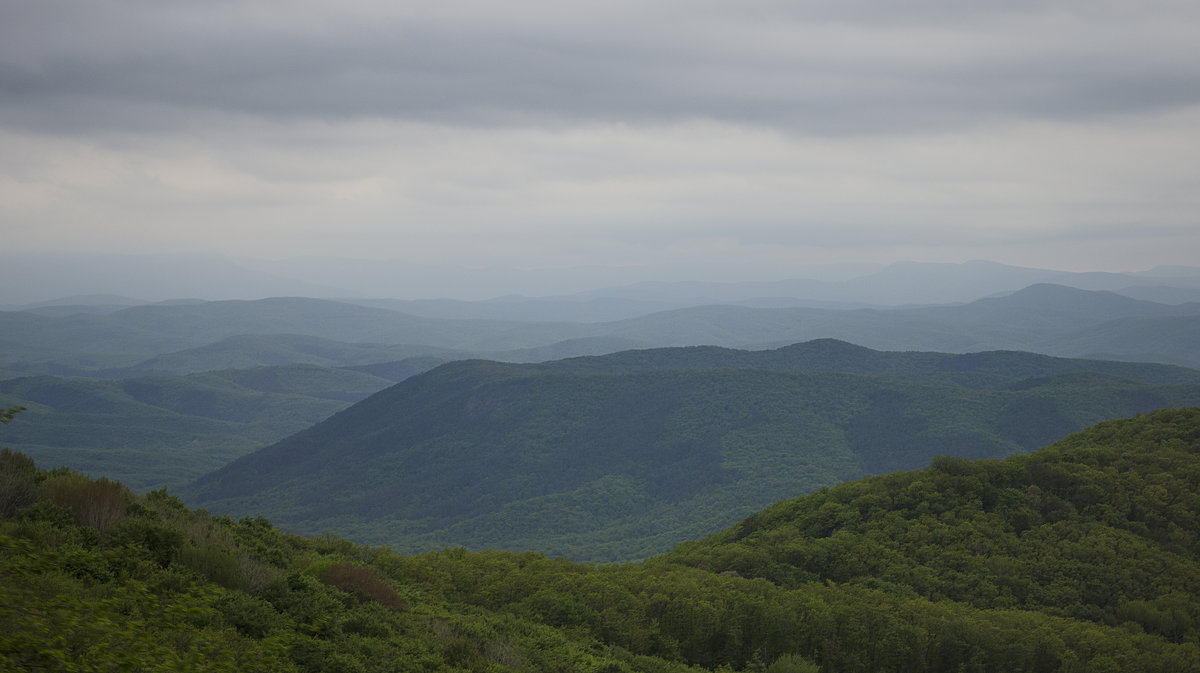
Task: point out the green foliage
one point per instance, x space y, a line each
95 503
163 542
908 572
1068 531
7 414
363 583
791 663
19 484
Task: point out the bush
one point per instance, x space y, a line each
18 482
791 663
364 584
250 616
95 503
215 562
163 542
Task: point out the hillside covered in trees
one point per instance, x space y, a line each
1079 557
620 457
155 431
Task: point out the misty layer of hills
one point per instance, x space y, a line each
590 293
185 338
161 394
124 388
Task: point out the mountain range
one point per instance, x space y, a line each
188 337
546 294
829 469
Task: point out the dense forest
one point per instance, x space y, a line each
1079 557
620 457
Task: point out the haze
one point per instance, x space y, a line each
540 135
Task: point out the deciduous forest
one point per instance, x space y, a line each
1082 556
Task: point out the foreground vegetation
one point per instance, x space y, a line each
965 566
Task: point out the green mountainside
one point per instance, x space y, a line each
158 430
620 457
985 369
1169 339
1101 526
1082 557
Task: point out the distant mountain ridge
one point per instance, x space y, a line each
620 456
28 279
903 284
1050 319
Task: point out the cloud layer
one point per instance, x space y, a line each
546 134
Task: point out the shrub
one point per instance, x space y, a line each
792 663
163 542
18 482
215 562
362 583
95 503
251 616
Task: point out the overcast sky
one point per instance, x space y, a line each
1057 134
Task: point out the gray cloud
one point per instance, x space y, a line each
865 66
540 133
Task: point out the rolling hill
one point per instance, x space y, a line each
621 456
267 350
1068 531
181 338
153 431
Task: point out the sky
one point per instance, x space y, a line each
1058 134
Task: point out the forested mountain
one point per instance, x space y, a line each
263 350
1071 530
621 456
1080 557
135 338
1170 339
832 355
156 430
